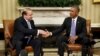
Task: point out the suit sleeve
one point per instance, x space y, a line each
59 30
19 26
84 31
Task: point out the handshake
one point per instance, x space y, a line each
44 33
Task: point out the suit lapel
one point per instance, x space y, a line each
26 25
32 24
70 20
24 22
77 23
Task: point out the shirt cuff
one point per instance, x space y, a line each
50 33
37 32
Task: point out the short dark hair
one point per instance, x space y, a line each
76 7
25 11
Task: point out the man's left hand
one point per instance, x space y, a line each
72 39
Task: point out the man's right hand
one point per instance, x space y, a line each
44 33
47 34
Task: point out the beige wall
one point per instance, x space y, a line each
90 10
8 10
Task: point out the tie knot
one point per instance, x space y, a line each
73 20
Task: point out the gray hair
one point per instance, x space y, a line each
25 11
76 7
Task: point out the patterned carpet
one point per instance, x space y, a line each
53 52
96 53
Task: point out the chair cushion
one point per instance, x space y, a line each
29 48
74 47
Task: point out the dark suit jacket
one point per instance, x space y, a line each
80 27
21 29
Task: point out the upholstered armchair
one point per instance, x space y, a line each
8 32
77 47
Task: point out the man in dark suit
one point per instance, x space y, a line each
25 33
75 27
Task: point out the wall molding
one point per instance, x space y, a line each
45 8
1 25
95 25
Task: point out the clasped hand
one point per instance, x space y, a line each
44 33
72 39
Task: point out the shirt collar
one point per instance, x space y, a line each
26 20
75 18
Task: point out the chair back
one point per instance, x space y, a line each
88 26
8 28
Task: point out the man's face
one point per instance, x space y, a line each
28 16
73 12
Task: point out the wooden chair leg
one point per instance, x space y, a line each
42 53
68 54
90 51
6 53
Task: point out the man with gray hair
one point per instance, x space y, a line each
75 27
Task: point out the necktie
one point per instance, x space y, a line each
73 28
29 26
